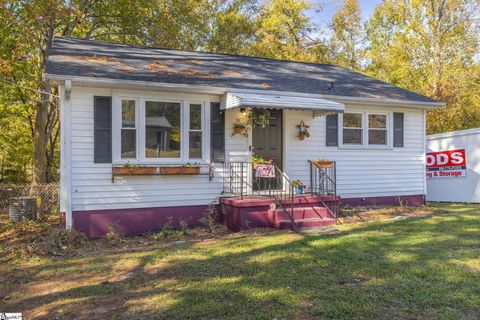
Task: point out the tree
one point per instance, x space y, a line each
428 47
283 32
348 41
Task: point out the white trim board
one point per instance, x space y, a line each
118 83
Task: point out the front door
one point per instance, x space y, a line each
267 143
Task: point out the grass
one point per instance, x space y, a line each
422 268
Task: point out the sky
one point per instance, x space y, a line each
329 7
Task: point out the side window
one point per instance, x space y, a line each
353 128
129 130
377 129
195 132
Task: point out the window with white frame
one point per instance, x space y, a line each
377 129
128 130
366 129
352 128
195 133
159 130
163 125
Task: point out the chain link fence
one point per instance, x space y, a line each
25 201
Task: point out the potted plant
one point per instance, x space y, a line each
239 128
187 169
303 131
257 159
129 169
298 186
322 163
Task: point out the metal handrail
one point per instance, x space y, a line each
237 175
319 187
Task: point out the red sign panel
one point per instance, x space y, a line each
451 163
265 171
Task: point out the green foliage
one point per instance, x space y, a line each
209 218
429 47
347 45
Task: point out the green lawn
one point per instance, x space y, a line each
422 268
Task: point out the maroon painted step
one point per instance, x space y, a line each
304 217
305 223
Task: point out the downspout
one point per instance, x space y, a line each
66 182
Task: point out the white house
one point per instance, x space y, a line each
453 166
169 115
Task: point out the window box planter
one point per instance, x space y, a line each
179 170
323 163
134 171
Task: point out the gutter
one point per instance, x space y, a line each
118 83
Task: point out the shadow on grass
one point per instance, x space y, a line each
419 268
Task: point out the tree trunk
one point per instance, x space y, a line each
40 138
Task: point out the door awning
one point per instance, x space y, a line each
233 100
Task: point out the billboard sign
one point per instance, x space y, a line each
446 164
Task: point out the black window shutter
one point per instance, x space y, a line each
398 129
217 133
102 126
332 130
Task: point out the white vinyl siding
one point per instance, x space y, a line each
360 173
92 187
365 171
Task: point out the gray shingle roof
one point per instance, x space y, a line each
75 57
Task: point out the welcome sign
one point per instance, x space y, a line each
265 171
447 164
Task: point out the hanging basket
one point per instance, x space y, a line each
237 130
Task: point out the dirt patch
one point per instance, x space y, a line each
265 86
349 215
159 67
45 238
193 61
231 73
163 68
102 60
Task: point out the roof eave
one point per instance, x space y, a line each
118 83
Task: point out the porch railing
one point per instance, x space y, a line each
323 183
323 178
239 179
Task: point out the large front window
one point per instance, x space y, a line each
156 129
162 129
